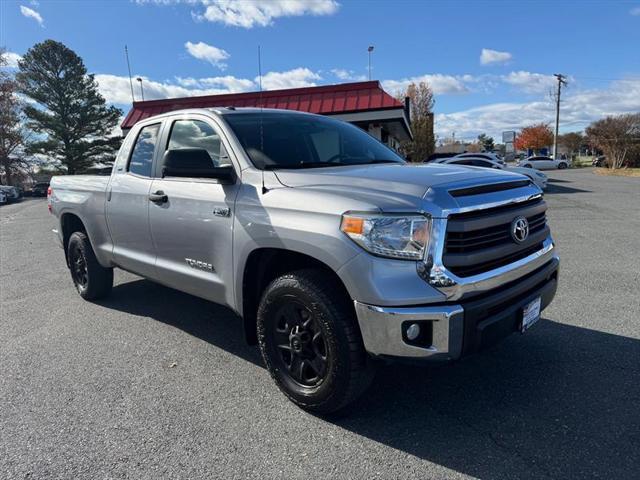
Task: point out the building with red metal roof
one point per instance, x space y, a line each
364 104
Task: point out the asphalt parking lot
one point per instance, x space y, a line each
153 383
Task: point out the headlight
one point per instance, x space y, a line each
393 236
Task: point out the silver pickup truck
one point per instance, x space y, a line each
333 251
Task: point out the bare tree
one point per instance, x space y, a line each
617 136
421 104
572 141
12 132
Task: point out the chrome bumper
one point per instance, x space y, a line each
450 325
381 329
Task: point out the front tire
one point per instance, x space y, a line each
310 342
562 166
91 279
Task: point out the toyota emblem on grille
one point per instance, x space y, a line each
520 229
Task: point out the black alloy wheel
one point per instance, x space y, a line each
298 337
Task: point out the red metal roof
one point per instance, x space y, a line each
325 100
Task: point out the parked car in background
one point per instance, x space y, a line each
544 163
600 161
40 189
3 198
486 155
438 156
12 193
537 177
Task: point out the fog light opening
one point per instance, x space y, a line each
413 331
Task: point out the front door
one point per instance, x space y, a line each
127 206
192 228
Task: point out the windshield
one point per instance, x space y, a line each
285 140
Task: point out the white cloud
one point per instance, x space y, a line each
116 89
202 51
229 82
298 77
578 109
530 82
635 11
251 13
348 75
440 84
489 57
30 13
12 59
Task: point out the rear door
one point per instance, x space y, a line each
127 206
192 229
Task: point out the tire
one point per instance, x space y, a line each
562 166
528 165
91 279
307 301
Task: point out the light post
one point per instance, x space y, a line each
141 89
370 49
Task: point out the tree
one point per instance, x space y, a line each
534 137
617 136
71 117
12 131
572 140
486 142
421 103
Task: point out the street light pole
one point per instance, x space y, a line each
370 49
141 89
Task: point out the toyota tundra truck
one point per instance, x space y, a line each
335 253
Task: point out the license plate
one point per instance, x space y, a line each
530 314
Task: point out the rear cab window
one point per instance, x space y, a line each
141 159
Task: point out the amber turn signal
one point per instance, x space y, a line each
353 225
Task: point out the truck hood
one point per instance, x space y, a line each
402 179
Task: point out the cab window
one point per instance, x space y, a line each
198 134
142 155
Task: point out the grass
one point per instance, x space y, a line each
619 172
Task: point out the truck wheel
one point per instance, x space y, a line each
91 279
311 343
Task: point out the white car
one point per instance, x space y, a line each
486 155
544 163
539 178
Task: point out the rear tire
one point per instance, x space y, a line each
91 279
311 343
562 166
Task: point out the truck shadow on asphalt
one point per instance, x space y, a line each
560 401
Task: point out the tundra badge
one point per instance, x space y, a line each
197 264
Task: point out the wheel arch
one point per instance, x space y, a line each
264 265
69 224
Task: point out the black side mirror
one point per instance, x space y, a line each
194 163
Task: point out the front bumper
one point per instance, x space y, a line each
452 330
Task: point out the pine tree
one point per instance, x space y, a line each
71 118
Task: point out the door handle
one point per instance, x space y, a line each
158 197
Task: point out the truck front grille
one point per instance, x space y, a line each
481 240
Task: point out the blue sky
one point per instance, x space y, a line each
210 46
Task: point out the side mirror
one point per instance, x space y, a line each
194 163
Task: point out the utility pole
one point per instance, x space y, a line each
370 49
561 81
